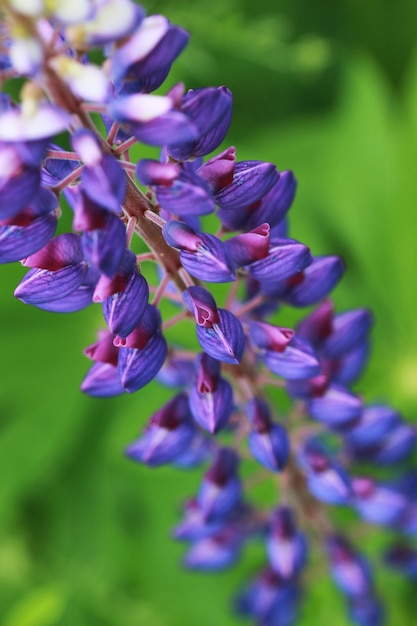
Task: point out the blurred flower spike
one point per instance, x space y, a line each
221 417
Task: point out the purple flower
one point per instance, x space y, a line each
146 57
286 545
219 332
142 352
268 441
349 570
167 434
211 397
220 491
210 111
58 270
204 256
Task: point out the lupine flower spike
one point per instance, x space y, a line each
220 418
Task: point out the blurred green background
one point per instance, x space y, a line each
328 89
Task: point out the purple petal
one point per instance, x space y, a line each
212 409
150 50
102 381
373 426
350 571
378 504
286 547
225 340
188 195
47 121
267 336
167 435
213 553
151 172
43 286
297 361
123 310
218 171
17 242
211 261
319 279
105 183
210 110
138 367
349 329
201 304
104 247
350 367
337 408
60 252
249 247
285 258
274 205
14 175
271 449
251 181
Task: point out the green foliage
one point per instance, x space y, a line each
84 533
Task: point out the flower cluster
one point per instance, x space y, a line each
326 449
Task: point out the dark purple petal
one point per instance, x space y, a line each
60 252
249 247
138 367
366 611
403 558
218 171
123 310
269 337
224 340
318 325
285 258
251 181
151 172
201 304
43 286
103 350
17 242
194 526
102 381
326 479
